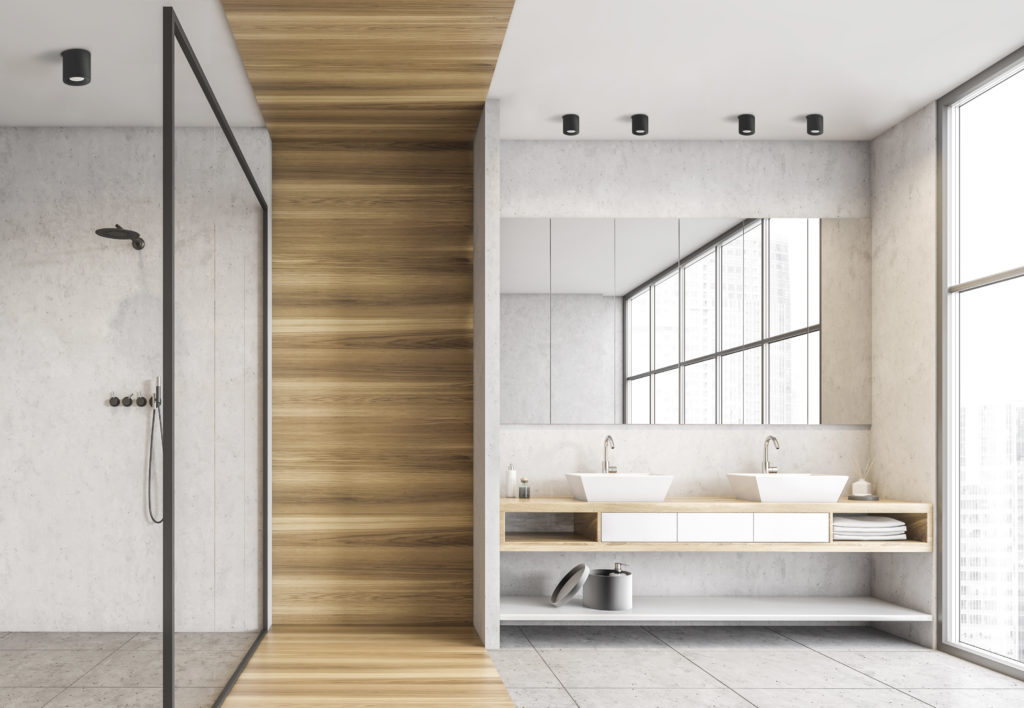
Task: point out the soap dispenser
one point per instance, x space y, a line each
511 482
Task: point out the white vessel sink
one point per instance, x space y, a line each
619 487
788 487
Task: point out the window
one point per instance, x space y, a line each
731 334
983 382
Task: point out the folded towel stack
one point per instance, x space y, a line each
865 527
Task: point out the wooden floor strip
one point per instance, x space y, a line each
302 666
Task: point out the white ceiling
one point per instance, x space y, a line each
124 37
694 65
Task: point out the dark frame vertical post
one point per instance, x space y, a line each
174 33
168 355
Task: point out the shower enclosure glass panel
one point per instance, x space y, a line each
218 403
112 577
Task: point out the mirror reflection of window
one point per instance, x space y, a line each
749 317
668 321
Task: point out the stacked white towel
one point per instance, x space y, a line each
867 527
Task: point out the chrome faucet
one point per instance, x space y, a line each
769 468
607 441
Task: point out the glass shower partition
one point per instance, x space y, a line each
133 377
217 382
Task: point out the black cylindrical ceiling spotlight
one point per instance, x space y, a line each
77 66
815 124
747 124
570 124
639 123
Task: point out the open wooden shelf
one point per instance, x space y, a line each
674 610
582 527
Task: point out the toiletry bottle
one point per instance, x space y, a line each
524 488
510 482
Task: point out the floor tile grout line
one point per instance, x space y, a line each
90 669
557 677
916 698
691 661
59 694
894 688
126 641
87 671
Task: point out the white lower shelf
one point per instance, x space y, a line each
765 610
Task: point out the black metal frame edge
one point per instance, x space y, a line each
174 32
168 354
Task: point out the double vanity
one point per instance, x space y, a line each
618 513
706 525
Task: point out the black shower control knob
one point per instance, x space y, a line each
115 401
140 401
126 401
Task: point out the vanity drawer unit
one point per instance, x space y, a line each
638 528
710 527
791 528
561 524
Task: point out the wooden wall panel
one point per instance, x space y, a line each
372 108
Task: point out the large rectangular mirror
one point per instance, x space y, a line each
698 321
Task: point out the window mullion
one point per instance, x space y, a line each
682 344
650 354
765 312
719 316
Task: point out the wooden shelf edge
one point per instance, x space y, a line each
566 544
568 505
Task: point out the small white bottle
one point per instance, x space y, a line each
511 483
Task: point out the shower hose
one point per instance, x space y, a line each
158 417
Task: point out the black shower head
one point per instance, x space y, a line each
123 234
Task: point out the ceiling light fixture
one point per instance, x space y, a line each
815 124
639 123
77 66
570 124
746 124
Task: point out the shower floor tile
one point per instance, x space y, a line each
85 669
127 668
66 641
195 641
132 698
26 697
39 669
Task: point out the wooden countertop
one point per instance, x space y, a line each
711 504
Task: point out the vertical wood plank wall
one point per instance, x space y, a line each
372 108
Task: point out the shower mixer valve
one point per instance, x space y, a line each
130 400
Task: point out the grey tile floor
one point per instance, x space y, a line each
114 670
727 667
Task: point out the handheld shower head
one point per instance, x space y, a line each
123 234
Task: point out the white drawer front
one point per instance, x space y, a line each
711 528
791 528
638 527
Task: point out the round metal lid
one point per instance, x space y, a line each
570 586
